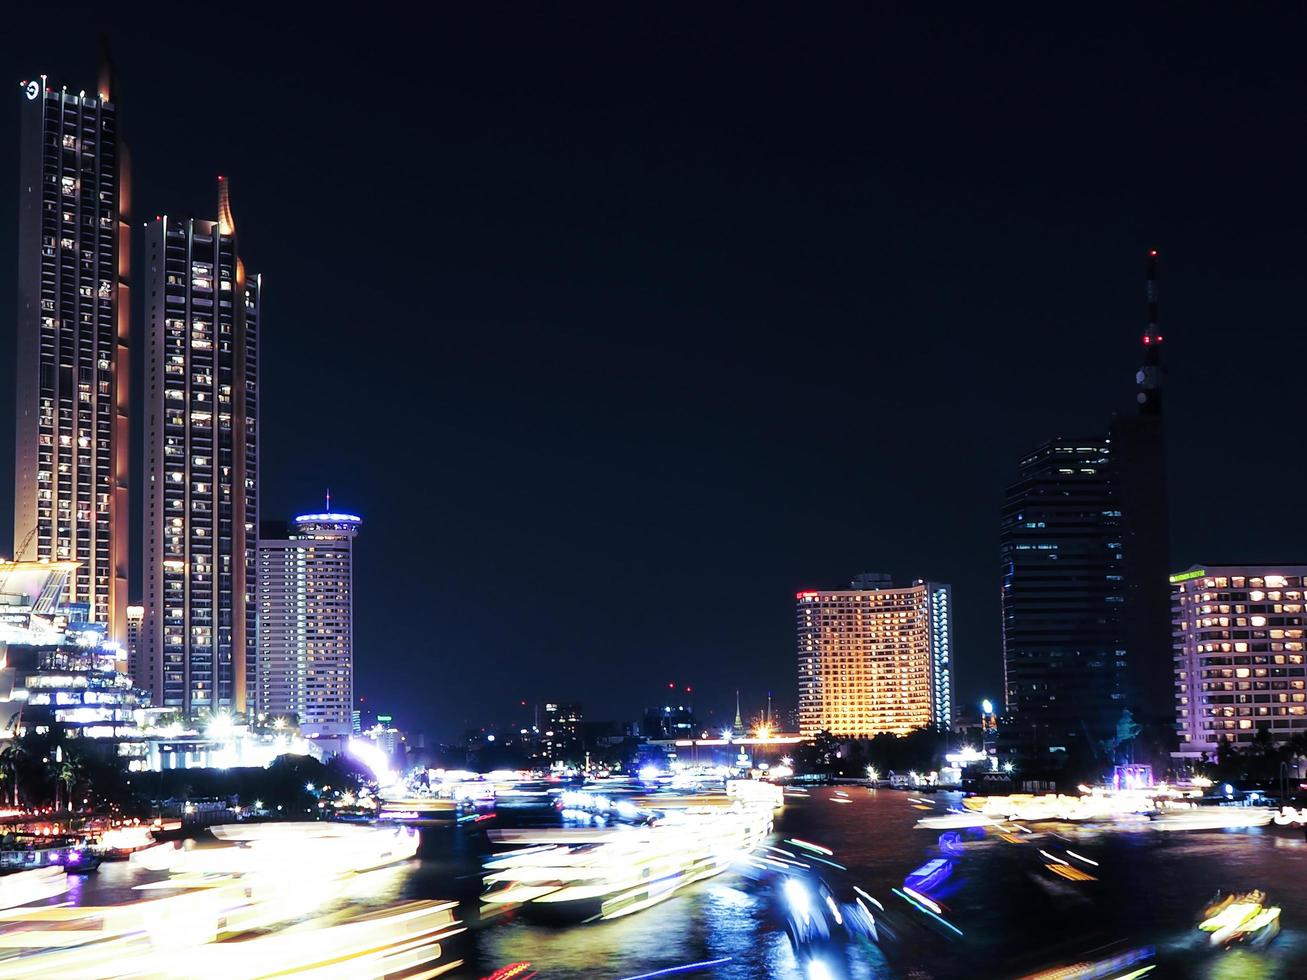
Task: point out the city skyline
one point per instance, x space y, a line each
622 424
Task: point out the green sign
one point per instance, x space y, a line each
1186 576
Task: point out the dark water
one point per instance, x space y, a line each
1016 916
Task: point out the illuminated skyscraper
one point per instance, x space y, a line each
1239 655
71 458
199 638
306 624
874 658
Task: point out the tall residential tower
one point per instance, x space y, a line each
306 624
874 658
1063 594
199 640
71 458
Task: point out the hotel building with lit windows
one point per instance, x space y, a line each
71 433
306 624
199 641
1238 642
874 658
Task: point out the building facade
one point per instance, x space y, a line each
306 624
560 733
199 638
1239 649
135 620
1063 593
874 658
71 453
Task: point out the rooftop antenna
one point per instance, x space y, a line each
328 500
1148 380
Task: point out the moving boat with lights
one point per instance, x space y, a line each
607 873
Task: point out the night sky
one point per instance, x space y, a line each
620 324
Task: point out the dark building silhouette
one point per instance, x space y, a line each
1139 455
1064 594
1085 556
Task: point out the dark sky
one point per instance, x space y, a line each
620 324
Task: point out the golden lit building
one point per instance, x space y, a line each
71 451
874 658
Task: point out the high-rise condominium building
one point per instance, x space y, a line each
199 639
873 658
1239 654
71 459
1085 550
306 624
1063 593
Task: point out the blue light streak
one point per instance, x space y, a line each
921 908
673 970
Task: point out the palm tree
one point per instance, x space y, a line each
70 772
65 775
12 758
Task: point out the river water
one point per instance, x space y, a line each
1014 915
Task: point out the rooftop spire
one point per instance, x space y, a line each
738 727
1148 380
328 500
226 223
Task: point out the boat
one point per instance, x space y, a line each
954 820
1240 918
929 875
73 858
586 874
119 843
1213 818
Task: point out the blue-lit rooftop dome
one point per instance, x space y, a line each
330 524
328 519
